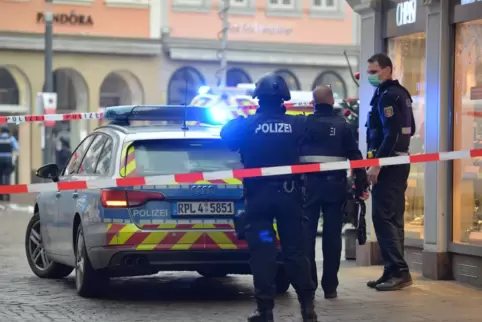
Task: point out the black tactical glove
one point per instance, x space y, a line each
361 183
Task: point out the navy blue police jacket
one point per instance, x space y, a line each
390 123
329 138
269 138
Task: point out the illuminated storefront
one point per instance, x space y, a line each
436 48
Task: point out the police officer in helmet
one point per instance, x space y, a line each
329 138
267 139
390 126
8 145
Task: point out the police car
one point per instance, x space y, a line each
141 230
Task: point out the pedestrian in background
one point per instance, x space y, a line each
8 145
63 153
329 138
390 125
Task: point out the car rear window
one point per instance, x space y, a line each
161 157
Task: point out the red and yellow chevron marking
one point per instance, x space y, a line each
128 162
130 236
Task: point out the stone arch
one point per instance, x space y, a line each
184 85
15 87
336 82
16 95
72 97
235 76
290 79
121 87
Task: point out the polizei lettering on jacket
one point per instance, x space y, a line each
273 128
67 19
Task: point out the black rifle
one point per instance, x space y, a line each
361 227
361 224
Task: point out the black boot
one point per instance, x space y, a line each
396 282
261 316
385 277
308 311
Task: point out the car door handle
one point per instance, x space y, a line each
75 195
58 194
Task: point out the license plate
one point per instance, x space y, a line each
205 208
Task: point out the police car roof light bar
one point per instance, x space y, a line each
123 115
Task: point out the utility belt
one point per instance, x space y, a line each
287 183
371 154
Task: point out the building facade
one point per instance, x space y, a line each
436 47
302 40
105 53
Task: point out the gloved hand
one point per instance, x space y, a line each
362 188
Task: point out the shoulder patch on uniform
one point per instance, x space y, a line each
409 102
388 111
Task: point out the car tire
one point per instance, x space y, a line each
88 282
282 281
208 273
37 259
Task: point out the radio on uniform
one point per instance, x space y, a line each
274 128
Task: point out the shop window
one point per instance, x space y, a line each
236 76
290 79
184 86
8 88
467 183
408 57
335 81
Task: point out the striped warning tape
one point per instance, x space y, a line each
17 119
50 117
238 174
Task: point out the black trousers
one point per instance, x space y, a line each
327 195
283 202
6 168
388 208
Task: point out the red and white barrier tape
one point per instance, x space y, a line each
239 174
49 117
94 116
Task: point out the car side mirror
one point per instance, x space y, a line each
49 171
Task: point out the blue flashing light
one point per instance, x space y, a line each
219 115
122 115
203 90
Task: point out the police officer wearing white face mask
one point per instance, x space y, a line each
267 139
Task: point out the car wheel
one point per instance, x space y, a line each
282 281
37 258
88 282
212 273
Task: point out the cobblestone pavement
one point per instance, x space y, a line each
183 297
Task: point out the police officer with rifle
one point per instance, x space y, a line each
329 138
267 139
390 126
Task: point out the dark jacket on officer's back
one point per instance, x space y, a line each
267 139
329 138
390 122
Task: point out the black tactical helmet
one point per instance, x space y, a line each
272 85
